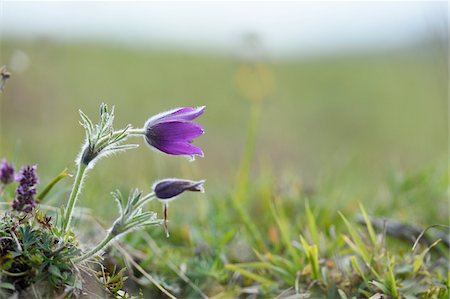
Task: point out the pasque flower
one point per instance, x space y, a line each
6 173
172 132
168 189
26 191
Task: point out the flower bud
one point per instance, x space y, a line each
169 188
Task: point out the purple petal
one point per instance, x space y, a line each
180 114
182 110
179 148
186 114
174 132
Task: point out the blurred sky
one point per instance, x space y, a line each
285 28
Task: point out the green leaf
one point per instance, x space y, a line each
7 286
381 286
52 269
65 173
7 259
342 294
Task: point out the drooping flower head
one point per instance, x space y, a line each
172 132
169 189
6 172
26 191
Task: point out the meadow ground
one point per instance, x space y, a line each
289 175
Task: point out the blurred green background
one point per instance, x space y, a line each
331 104
344 123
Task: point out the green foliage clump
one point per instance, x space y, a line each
31 254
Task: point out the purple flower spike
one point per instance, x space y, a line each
169 188
26 191
6 173
172 132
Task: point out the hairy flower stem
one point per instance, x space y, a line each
140 131
118 228
111 235
76 188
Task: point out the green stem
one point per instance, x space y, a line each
81 172
140 131
97 248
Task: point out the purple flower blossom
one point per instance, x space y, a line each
6 173
172 132
169 188
26 191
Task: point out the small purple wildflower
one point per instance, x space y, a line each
6 173
172 132
26 191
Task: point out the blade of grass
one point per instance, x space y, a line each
313 257
271 264
255 265
372 235
360 247
391 278
356 250
425 230
248 274
283 226
279 262
418 261
311 223
355 265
